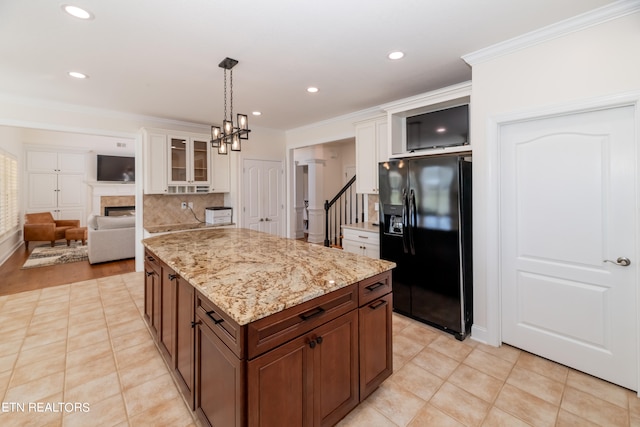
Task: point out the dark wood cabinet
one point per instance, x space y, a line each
170 313
152 279
219 380
166 332
376 363
184 338
309 381
307 365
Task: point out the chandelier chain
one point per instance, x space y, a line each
225 94
231 98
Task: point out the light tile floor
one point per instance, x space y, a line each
83 352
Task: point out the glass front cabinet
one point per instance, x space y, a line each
189 162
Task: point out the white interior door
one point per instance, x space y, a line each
568 200
262 204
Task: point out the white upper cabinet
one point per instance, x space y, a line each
183 163
220 172
371 148
188 160
155 163
399 111
47 161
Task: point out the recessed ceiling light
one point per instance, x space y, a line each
77 75
441 130
77 12
395 55
312 89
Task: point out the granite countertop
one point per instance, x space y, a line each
365 226
251 275
180 227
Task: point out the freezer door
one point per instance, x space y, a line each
394 246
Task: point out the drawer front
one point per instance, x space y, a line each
152 262
364 237
270 332
374 287
222 325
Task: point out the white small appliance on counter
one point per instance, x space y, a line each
218 215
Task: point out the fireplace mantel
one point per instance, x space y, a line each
100 189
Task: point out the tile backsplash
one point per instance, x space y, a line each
162 209
371 207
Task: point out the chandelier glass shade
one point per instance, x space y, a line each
227 137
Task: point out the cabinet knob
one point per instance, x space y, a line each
312 344
319 340
148 273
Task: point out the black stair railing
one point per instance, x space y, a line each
347 207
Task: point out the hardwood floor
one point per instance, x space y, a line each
14 280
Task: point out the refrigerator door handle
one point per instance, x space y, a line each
405 220
412 221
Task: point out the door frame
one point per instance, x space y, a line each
492 332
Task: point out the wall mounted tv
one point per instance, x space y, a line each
438 129
116 168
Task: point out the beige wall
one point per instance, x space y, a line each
598 61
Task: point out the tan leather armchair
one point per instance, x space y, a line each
42 227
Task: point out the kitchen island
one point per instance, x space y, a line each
262 330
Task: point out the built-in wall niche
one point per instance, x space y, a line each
397 113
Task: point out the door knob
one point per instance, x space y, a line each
622 261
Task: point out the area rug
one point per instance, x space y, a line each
43 256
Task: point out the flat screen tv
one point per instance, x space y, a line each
438 129
116 168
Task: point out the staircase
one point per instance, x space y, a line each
347 207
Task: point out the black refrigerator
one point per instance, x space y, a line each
425 228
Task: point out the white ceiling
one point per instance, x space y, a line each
160 57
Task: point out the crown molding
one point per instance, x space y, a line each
460 90
580 22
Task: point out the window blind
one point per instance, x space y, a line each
8 193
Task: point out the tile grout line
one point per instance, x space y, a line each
24 338
127 410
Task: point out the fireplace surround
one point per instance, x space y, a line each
119 210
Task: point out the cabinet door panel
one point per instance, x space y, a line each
376 363
220 377
178 160
220 173
185 300
200 155
156 168
167 312
42 192
42 161
71 190
152 298
71 163
278 382
336 368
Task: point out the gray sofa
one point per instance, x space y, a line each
110 238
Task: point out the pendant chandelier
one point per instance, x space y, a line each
229 135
